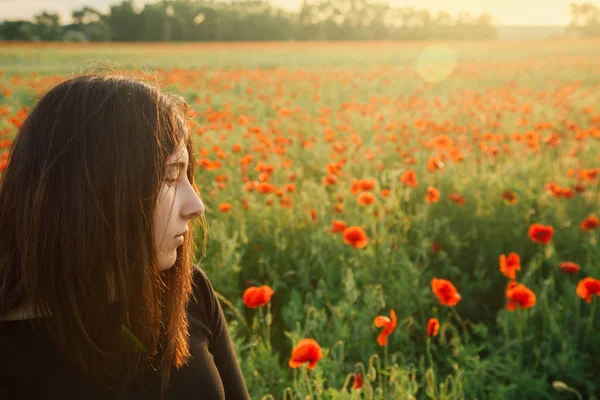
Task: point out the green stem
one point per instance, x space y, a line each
520 334
305 373
296 383
590 323
385 356
379 374
462 324
268 326
577 318
579 397
430 359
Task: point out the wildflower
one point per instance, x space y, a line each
433 325
388 325
457 198
588 287
236 148
285 202
367 184
358 381
590 223
509 265
553 189
519 295
445 291
224 207
409 178
257 296
329 180
435 163
510 197
337 226
307 350
539 233
355 236
265 188
569 267
432 196
365 198
589 174
579 188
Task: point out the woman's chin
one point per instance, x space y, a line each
167 260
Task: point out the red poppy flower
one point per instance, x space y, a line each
435 163
569 267
306 351
519 295
432 196
389 325
588 287
553 189
224 207
365 198
367 184
355 236
445 291
510 197
337 226
257 296
457 198
358 381
539 233
433 325
590 223
509 265
409 178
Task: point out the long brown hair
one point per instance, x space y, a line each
77 203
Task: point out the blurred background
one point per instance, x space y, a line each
257 20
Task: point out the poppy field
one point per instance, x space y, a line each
386 220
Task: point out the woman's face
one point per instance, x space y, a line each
174 210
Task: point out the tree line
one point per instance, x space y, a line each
251 20
585 19
256 20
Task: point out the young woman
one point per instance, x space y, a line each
99 298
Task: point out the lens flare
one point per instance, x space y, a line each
436 63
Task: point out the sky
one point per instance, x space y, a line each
505 12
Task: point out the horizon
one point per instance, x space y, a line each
557 14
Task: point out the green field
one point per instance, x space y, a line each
327 128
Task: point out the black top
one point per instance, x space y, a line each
32 368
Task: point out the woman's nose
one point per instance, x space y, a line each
194 208
197 209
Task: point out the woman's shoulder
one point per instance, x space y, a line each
203 293
201 282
